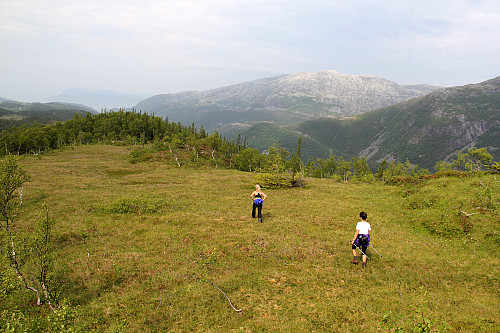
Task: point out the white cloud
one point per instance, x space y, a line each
198 44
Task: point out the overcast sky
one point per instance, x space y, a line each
164 46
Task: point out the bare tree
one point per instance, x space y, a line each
30 259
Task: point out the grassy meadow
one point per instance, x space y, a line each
151 247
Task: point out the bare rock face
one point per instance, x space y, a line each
342 94
424 130
286 99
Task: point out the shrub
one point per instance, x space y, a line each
279 180
139 154
445 225
273 180
8 282
495 167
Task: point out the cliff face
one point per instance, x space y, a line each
283 100
424 130
459 118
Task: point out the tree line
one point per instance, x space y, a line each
154 137
106 127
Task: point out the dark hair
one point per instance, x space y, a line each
363 215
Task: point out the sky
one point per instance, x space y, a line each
166 46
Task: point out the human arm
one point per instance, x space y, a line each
355 236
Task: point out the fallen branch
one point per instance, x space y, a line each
223 293
466 214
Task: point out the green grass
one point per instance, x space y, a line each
150 270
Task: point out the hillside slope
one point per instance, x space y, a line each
14 113
43 107
264 135
424 130
143 247
284 100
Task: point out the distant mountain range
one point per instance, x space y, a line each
98 99
282 100
333 113
15 106
14 113
424 130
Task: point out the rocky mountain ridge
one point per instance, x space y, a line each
283 100
424 130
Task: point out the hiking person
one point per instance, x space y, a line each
258 198
361 238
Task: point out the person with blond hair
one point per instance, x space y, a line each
258 198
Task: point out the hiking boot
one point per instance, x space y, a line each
260 220
355 261
363 265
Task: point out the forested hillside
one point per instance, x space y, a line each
43 107
128 127
15 114
155 138
264 135
424 130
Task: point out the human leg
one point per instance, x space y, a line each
354 254
364 248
